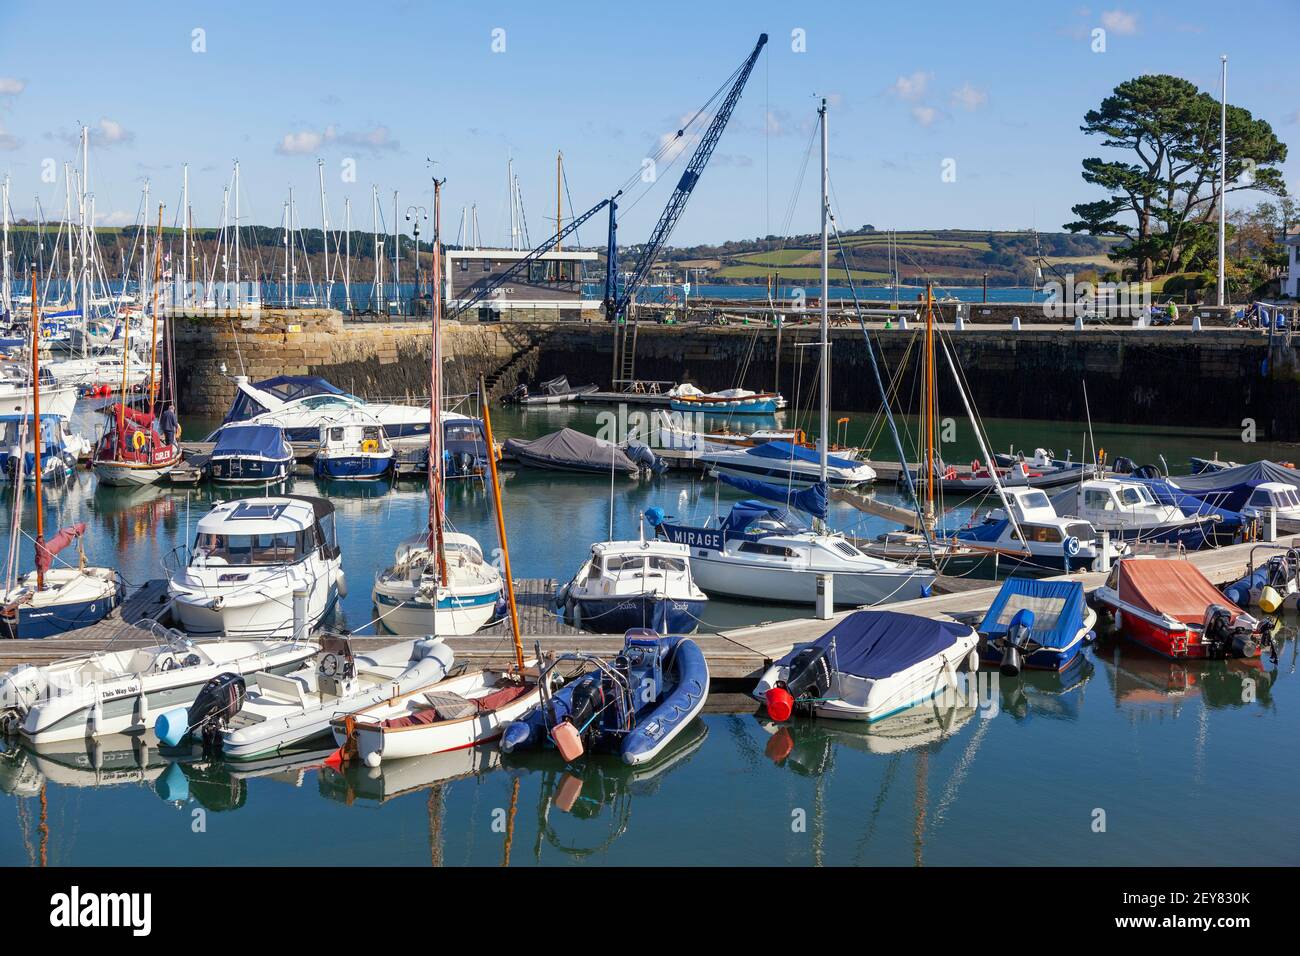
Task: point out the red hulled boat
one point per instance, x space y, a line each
1171 608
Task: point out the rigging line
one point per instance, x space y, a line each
875 369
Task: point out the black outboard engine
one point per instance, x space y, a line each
1226 638
811 675
1123 465
1018 643
218 701
587 701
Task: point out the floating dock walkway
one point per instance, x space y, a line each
734 655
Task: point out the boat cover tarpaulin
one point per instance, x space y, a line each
1231 487
811 500
1168 493
265 441
1175 588
784 451
875 644
570 450
744 513
46 550
1057 606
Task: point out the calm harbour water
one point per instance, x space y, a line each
1181 758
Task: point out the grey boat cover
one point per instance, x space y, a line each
569 450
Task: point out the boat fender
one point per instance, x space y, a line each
342 584
173 786
568 741
780 704
171 726
1269 600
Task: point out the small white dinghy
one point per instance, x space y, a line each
287 711
119 691
870 665
448 715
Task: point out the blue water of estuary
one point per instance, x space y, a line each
1125 759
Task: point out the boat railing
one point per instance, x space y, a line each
623 697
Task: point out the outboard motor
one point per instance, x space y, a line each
1226 638
811 678
218 701
1123 465
1018 643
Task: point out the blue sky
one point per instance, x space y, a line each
998 87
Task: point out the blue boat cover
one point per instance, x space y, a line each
1230 487
1057 606
744 513
811 500
290 387
876 644
986 532
784 451
1168 493
266 441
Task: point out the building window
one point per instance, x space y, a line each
464 265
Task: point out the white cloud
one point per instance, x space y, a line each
1120 22
11 86
912 86
110 133
302 141
377 138
116 218
969 98
924 115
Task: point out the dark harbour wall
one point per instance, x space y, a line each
1168 377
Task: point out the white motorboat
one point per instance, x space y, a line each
60 447
301 404
760 551
353 447
119 691
286 711
1038 540
784 463
634 584
870 665
250 558
1129 512
448 715
1280 498
16 392
412 598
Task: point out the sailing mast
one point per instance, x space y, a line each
36 441
825 330
501 527
435 397
153 350
928 409
559 180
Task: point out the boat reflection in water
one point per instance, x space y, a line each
584 807
1149 687
1055 695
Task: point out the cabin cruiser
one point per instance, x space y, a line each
1282 499
781 462
1130 512
1050 542
250 455
16 392
764 552
634 584
291 709
353 447
301 404
412 599
869 666
250 558
110 692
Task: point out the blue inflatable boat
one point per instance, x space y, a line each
634 705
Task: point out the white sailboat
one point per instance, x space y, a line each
439 582
764 553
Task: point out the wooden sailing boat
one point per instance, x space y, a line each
52 600
438 582
452 714
133 451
